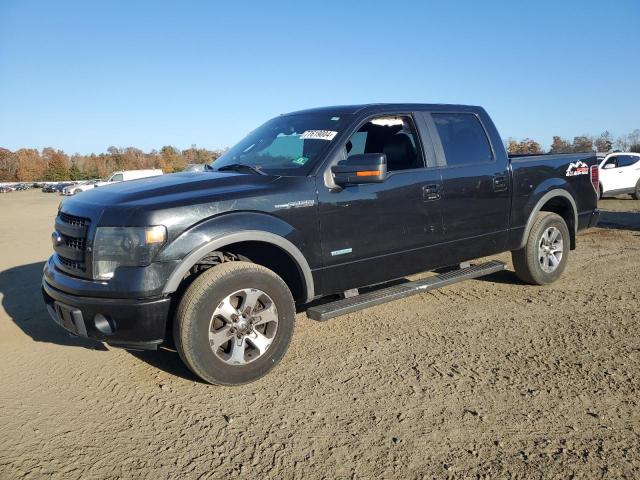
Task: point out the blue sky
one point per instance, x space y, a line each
85 75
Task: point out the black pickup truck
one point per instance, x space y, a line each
316 203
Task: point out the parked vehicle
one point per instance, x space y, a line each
620 173
126 175
195 167
79 187
314 203
49 188
62 185
6 189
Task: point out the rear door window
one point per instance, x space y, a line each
627 160
463 139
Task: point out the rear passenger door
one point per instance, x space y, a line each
629 165
476 197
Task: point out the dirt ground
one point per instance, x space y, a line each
484 379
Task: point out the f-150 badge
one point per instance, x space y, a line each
578 168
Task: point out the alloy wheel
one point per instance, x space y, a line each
550 249
243 326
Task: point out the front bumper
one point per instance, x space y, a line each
127 323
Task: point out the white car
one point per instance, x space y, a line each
78 187
124 175
620 173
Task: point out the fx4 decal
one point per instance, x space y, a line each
578 168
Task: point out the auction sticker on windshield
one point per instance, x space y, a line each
319 135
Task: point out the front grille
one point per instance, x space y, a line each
73 220
72 250
71 264
75 243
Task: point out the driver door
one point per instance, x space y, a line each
376 232
611 175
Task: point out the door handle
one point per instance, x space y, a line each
499 183
431 193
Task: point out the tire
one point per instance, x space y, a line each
636 193
227 290
600 193
533 263
77 191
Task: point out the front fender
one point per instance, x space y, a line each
217 232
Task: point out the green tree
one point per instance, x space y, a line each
75 173
57 165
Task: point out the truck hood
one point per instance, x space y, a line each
165 189
155 200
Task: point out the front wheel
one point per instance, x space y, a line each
546 253
234 323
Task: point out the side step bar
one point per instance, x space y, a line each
378 297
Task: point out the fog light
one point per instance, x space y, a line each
104 324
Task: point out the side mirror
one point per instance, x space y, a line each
361 168
608 166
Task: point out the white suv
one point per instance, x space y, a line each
620 173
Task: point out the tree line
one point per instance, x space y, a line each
30 165
605 142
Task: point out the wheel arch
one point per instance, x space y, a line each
237 242
558 201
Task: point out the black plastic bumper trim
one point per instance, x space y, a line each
136 321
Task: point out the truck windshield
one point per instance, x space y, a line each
288 145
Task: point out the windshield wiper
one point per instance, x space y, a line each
239 167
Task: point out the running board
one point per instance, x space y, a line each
378 297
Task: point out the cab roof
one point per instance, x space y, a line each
369 108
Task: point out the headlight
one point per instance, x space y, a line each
115 247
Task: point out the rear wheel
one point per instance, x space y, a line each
234 323
546 253
636 193
77 191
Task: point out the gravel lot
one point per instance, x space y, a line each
488 378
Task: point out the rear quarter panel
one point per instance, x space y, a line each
535 176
